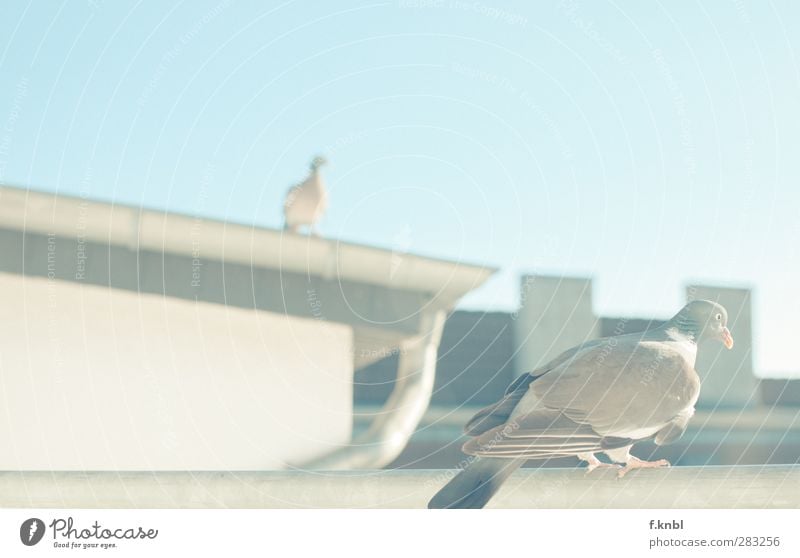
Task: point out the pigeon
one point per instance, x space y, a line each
306 202
600 397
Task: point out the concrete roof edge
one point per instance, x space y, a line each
203 238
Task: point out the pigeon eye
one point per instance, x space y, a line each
719 317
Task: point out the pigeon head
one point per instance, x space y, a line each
317 162
703 319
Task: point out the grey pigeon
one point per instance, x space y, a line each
305 203
600 397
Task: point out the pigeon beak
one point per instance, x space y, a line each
726 338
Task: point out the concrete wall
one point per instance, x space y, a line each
555 314
93 378
727 375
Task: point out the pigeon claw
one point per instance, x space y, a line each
636 463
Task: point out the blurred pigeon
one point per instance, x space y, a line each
601 396
306 202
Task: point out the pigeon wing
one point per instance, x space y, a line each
498 413
635 386
542 434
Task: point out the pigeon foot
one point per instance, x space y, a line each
594 463
636 463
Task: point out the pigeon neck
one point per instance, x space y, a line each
314 178
684 327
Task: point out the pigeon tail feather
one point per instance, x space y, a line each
475 485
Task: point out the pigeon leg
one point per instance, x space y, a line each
593 462
636 463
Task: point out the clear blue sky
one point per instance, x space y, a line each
647 144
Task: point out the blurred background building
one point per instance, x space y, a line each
138 339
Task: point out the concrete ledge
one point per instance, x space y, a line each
680 487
